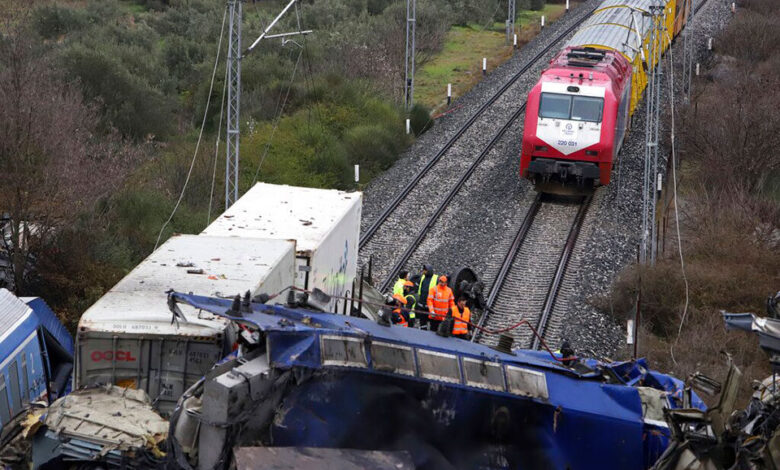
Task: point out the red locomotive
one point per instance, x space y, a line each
576 119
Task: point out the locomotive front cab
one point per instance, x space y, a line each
568 130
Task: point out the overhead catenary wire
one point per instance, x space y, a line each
200 134
216 147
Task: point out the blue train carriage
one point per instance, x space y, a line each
330 381
37 359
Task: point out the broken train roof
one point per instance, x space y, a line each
299 337
20 317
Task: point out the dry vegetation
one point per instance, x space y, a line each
730 216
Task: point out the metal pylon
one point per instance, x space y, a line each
233 103
411 14
652 124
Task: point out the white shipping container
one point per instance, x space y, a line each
128 337
325 223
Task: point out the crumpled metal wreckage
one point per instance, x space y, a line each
723 437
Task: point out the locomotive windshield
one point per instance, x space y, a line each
555 106
576 108
585 108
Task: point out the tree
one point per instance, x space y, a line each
53 162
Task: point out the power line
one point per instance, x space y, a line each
216 147
200 135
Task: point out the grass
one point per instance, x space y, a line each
460 61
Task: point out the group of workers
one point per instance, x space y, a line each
425 300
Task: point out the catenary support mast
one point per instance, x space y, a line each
233 103
234 90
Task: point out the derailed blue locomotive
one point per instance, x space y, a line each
308 379
36 359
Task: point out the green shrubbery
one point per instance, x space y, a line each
318 146
130 103
54 20
145 67
420 119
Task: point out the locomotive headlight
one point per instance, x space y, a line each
541 148
592 153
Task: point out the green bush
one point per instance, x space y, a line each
420 119
477 11
130 104
371 146
51 21
179 55
137 216
341 123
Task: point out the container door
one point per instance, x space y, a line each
302 270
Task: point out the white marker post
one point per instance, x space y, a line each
449 93
709 44
659 184
697 69
567 6
357 174
630 332
733 7
542 21
514 41
484 66
408 126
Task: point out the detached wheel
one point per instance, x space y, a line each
462 280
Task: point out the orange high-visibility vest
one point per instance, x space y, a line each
460 327
440 300
403 321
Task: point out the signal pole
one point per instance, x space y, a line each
411 19
511 14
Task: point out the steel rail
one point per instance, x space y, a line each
563 262
450 196
508 260
369 233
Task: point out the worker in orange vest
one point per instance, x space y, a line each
440 301
404 302
398 317
462 315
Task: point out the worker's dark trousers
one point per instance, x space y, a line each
434 324
463 336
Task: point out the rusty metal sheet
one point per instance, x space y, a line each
313 458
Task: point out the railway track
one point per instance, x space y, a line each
531 276
394 222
